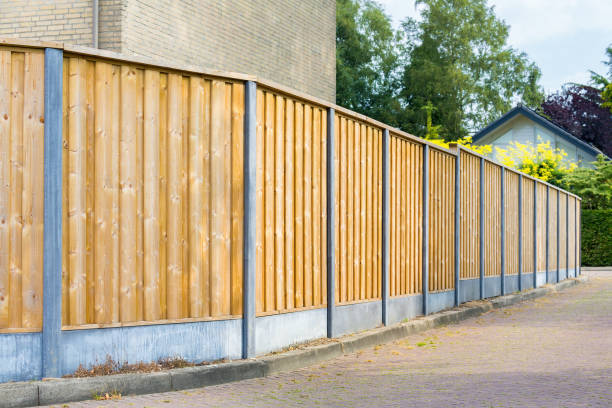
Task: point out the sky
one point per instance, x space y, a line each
565 38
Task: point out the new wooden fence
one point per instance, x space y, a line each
153 200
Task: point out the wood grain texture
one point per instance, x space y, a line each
154 170
470 216
527 232
511 242
492 219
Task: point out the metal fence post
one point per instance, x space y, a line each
250 217
481 230
425 254
535 234
457 223
331 222
520 232
547 250
385 226
567 235
558 272
52 241
503 231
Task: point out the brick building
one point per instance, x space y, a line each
288 41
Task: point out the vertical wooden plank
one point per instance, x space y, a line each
151 307
337 215
350 130
279 202
139 194
374 213
368 196
308 244
174 204
184 189
323 204
196 196
392 217
261 205
163 194
342 215
269 202
103 195
128 200
226 202
115 278
77 162
362 213
5 186
65 188
89 191
316 207
289 204
33 195
237 196
299 204
206 195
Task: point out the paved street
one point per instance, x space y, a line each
555 351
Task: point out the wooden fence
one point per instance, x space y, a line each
154 200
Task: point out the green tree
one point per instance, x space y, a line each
461 63
369 58
594 185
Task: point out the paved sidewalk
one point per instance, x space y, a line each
555 351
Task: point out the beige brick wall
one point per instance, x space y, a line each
55 20
288 41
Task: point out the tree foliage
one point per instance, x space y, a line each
594 185
579 110
461 63
541 161
368 60
454 60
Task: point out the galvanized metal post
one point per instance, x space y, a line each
250 217
503 231
52 241
385 227
457 223
331 222
558 230
425 253
535 234
547 250
520 232
567 235
481 230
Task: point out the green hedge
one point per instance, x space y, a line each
597 237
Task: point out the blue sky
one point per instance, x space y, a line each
565 38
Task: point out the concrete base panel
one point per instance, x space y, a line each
562 274
196 342
571 273
511 283
552 276
278 331
541 278
469 289
20 356
404 307
527 279
357 317
492 286
441 300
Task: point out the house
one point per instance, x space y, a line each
291 42
525 126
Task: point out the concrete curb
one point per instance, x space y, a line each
57 391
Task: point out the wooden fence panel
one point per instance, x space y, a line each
21 188
441 221
572 233
153 194
511 243
291 197
527 238
552 229
359 215
492 219
541 227
470 216
562 231
406 216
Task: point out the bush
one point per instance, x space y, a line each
596 237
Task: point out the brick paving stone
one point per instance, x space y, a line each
555 351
